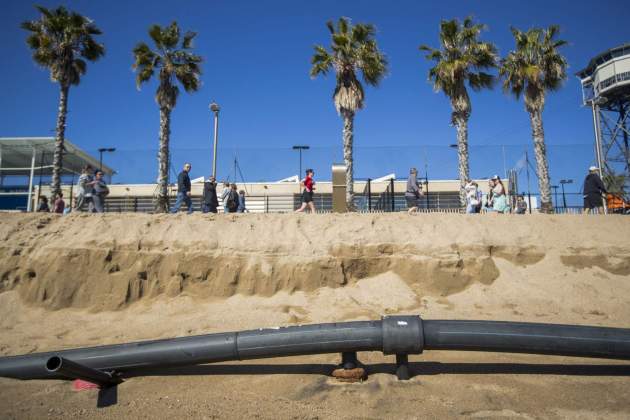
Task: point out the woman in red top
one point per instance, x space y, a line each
307 193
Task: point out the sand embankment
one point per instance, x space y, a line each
107 262
83 280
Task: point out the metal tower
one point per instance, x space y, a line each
606 89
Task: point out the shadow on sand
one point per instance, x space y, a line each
415 369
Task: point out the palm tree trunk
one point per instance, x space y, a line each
348 138
542 166
462 154
55 185
163 158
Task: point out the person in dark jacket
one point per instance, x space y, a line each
209 201
43 205
593 190
232 199
183 190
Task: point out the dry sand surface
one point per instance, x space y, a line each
84 280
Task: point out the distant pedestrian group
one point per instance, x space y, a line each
232 199
92 190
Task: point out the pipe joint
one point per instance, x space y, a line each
402 334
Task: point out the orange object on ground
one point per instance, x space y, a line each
616 203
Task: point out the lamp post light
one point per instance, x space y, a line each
564 198
300 148
214 107
555 195
100 155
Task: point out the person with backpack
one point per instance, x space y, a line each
307 193
232 199
100 192
224 195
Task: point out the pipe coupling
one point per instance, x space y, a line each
402 334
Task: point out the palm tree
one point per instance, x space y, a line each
61 41
460 61
353 50
174 62
533 68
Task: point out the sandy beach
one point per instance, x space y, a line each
84 280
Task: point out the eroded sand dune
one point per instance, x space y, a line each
97 279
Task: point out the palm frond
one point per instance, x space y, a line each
353 50
58 40
174 65
155 32
170 35
535 65
187 42
462 58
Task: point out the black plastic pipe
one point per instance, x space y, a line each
523 337
399 335
72 370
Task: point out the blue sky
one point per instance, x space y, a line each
256 67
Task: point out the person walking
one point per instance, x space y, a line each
241 202
43 205
232 199
100 192
472 197
59 205
84 189
499 199
479 198
413 191
593 190
209 201
224 195
184 190
488 203
307 193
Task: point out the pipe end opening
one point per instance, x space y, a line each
54 363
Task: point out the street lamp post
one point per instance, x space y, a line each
214 107
100 155
564 198
300 148
555 195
